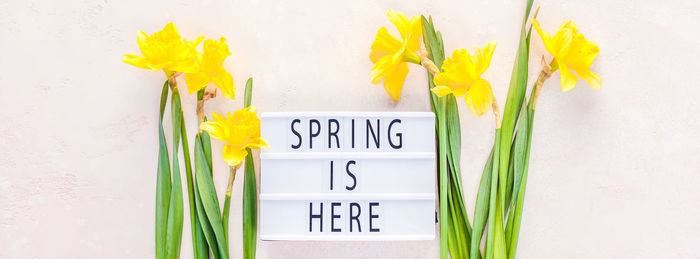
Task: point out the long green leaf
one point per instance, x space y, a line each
510 179
454 141
458 227
206 148
517 161
519 202
163 184
250 208
499 246
521 196
491 237
175 212
481 208
461 223
514 100
250 202
454 232
210 202
202 250
202 219
444 185
199 246
433 46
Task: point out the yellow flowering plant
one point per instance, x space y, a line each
572 52
460 76
500 196
240 132
166 50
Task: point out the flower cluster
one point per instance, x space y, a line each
166 50
502 188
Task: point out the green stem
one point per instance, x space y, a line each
190 186
442 140
227 201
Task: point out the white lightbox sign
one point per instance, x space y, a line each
348 176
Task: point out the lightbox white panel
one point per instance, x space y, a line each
374 172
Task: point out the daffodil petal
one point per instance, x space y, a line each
214 129
394 81
570 24
441 91
142 40
479 98
401 22
185 66
196 81
567 78
381 69
196 41
257 143
224 80
483 57
413 41
593 79
136 61
560 42
384 44
460 91
169 31
546 39
234 156
217 117
251 109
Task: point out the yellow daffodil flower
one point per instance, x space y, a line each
210 69
390 55
164 50
462 75
572 51
239 131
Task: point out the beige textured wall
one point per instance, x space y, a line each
614 173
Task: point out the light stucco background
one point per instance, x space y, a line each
614 173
